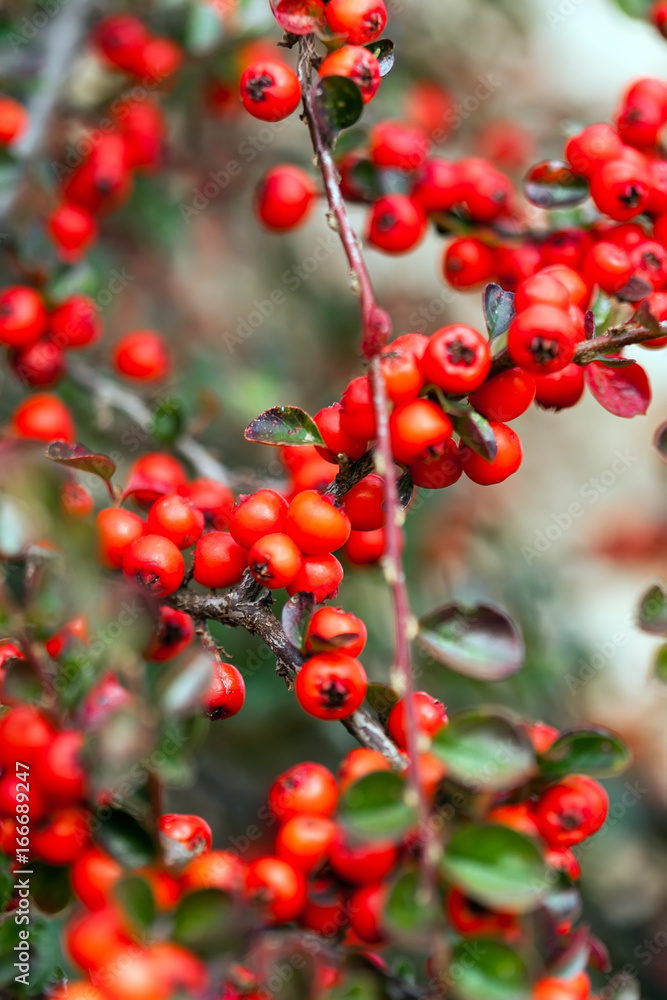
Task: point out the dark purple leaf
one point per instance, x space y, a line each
77 456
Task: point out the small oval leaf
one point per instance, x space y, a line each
625 392
489 970
477 433
136 898
284 425
653 611
498 867
296 615
552 184
206 921
485 751
588 750
383 50
660 665
498 310
77 456
338 105
375 808
480 642
404 912
125 839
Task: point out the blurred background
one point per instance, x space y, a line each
199 268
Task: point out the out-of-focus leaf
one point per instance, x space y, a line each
588 750
376 807
168 421
283 425
381 698
136 898
660 665
480 642
206 922
405 914
485 750
552 184
15 527
78 456
625 392
489 970
653 611
125 839
186 683
204 28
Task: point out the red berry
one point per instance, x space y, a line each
470 918
155 563
395 144
59 770
23 318
541 340
116 530
639 122
364 504
542 289
593 146
142 355
154 475
159 58
468 262
274 560
93 875
18 804
621 189
573 281
306 789
366 911
608 266
315 524
416 426
437 186
358 763
658 14
25 734
143 126
358 415
363 863
13 120
120 37
226 693
213 499
437 467
75 323
278 886
357 21
43 417
304 840
337 441
219 561
72 228
42 363
506 462
365 547
103 182
575 988
176 518
270 90
214 870
285 197
331 685
485 192
429 716
649 261
571 810
402 375
505 396
183 836
61 839
396 223
333 628
174 633
319 575
357 63
261 513
457 359
430 106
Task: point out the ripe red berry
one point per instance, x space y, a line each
576 285
183 836
541 289
593 146
365 547
75 323
331 685
319 575
159 58
437 467
658 15
93 875
609 266
429 716
214 870
649 262
59 771
541 340
116 530
315 524
505 396
143 126
226 693
571 810
278 887
15 804
398 145
358 763
396 223
621 189
213 499
358 415
103 182
25 734
304 840
60 840
176 518
274 560
367 910
23 318
119 38
306 789
261 513
639 120
457 359
174 632
575 988
13 120
437 186
505 464
142 355
43 417
155 474
468 262
356 63
333 628
471 919
270 90
337 441
402 375
364 504
357 21
285 197
42 363
219 561
416 426
361 863
72 228
155 563
561 390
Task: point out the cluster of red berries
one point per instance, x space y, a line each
125 42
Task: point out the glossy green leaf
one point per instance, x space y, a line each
552 184
653 611
481 642
498 867
206 922
136 898
168 421
498 310
383 50
283 425
125 839
338 105
588 750
381 698
405 914
485 751
376 807
489 970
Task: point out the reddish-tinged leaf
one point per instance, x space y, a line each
625 392
77 456
140 483
300 17
324 644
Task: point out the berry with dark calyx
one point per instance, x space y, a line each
116 530
23 317
75 323
437 467
337 441
485 192
505 464
457 359
364 548
213 499
315 524
571 810
119 38
260 513
142 355
395 144
416 426
43 417
561 390
278 887
505 396
429 716
285 197
270 90
226 693
103 181
42 363
649 262
59 771
320 576
219 561
396 224
621 189
331 685
356 63
183 837
174 633
333 628
155 563
437 186
364 504
176 518
274 561
306 789
357 21
468 262
541 340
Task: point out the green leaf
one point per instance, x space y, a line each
498 310
283 425
79 279
365 178
615 362
383 50
136 898
602 310
375 806
203 29
78 456
125 839
185 683
660 665
660 441
350 140
653 611
338 105
297 612
476 431
485 751
635 8
481 642
588 750
21 682
489 970
498 867
381 698
552 184
206 921
168 421
405 914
